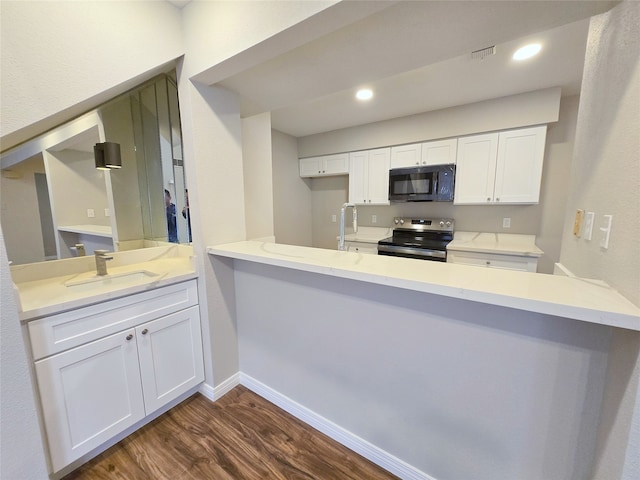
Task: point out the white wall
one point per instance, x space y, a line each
457 389
21 451
605 175
258 172
291 194
60 59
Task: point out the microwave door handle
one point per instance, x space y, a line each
435 183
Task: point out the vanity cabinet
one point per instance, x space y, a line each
500 168
103 368
369 177
325 165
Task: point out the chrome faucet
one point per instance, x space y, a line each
101 261
355 222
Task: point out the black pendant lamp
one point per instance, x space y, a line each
107 155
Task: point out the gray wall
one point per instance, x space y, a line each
605 178
257 174
544 220
605 175
457 389
291 194
21 451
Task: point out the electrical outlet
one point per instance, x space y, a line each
333 218
374 219
107 212
506 222
91 213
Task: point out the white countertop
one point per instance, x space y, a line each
53 287
368 234
500 243
569 297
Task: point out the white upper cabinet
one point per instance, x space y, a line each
440 152
519 165
500 168
369 177
325 165
406 155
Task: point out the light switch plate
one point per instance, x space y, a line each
374 219
333 218
506 222
91 213
589 217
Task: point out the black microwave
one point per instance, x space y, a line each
432 183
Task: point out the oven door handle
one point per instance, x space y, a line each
412 251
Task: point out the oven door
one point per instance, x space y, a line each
412 252
422 184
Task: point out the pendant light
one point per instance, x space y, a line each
107 155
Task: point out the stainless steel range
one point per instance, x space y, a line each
422 238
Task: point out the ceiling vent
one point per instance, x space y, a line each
482 53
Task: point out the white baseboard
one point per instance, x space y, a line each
214 393
353 442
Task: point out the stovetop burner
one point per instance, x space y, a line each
422 238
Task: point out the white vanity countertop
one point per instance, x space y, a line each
569 297
52 287
368 234
500 243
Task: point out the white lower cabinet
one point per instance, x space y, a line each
493 260
94 391
361 247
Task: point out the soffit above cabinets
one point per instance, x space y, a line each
416 56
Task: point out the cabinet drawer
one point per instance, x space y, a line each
489 260
66 330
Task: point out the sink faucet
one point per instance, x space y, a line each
101 261
355 222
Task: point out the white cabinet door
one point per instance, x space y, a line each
358 177
379 177
310 167
475 171
89 394
406 155
337 164
440 152
369 177
170 352
519 165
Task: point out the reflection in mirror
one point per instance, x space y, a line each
53 198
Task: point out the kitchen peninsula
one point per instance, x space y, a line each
395 356
569 297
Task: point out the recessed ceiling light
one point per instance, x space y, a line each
364 94
527 51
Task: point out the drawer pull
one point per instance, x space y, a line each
145 331
129 337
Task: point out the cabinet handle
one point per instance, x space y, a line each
488 262
488 199
129 337
497 199
145 331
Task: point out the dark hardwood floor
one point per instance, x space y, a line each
241 436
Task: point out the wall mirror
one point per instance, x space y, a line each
53 198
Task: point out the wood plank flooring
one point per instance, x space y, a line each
241 436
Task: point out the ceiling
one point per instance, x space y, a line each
416 56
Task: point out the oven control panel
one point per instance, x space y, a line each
424 224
